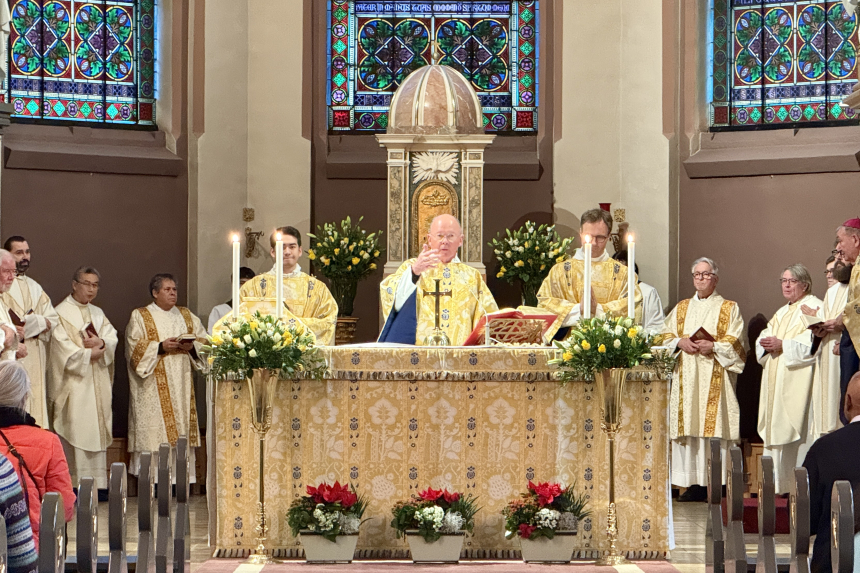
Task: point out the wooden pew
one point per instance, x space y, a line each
182 528
715 548
117 525
766 555
52 534
842 527
145 516
163 533
735 548
87 531
798 512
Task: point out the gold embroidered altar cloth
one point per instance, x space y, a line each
393 421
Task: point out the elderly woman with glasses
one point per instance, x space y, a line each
785 351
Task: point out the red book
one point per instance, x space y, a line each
90 330
702 334
512 326
16 320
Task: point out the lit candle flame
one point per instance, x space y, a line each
235 238
588 239
630 238
277 236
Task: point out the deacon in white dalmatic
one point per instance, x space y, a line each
80 379
703 403
784 349
34 318
162 346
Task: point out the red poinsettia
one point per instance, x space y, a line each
430 494
325 493
546 492
450 497
526 530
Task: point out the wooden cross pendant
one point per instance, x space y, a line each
438 294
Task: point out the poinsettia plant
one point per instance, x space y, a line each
434 513
329 510
543 510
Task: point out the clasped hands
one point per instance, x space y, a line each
96 346
173 345
703 347
772 344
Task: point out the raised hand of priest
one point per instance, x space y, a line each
688 346
427 259
11 337
21 352
92 341
808 311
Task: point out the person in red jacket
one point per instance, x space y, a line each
36 454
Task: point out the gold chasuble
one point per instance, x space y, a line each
851 316
561 291
307 300
470 299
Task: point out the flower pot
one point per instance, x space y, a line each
559 549
318 549
444 550
345 330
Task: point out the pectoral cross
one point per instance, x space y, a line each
438 294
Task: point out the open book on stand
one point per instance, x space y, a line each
525 325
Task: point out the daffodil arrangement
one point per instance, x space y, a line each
344 254
263 341
527 255
597 344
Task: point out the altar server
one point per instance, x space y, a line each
407 299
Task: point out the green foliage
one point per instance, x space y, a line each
263 341
597 344
527 255
450 508
346 253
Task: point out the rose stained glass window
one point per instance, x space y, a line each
373 46
781 64
82 61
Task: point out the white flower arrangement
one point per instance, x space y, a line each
547 517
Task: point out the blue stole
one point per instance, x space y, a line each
401 325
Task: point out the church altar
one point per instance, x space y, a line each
392 421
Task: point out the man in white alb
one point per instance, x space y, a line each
80 379
34 318
9 344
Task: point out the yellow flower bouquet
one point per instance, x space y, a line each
527 255
344 254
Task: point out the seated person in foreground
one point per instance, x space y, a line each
409 308
561 291
306 299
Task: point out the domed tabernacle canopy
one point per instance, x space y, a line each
435 100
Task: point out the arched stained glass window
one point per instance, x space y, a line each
82 61
373 46
781 64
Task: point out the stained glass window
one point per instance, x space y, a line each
82 61
373 46
777 63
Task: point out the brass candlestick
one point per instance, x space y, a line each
261 387
438 336
610 387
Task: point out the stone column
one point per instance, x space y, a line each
472 164
398 217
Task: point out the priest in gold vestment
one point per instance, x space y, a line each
703 403
409 307
161 366
561 291
306 299
848 250
784 349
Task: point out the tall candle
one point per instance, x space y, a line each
279 275
586 290
235 285
631 277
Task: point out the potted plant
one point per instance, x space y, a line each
344 254
327 521
527 255
435 523
545 519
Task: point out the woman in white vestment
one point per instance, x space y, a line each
784 349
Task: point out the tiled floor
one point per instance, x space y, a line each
688 556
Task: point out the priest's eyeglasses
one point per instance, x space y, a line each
703 276
87 283
440 237
791 282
